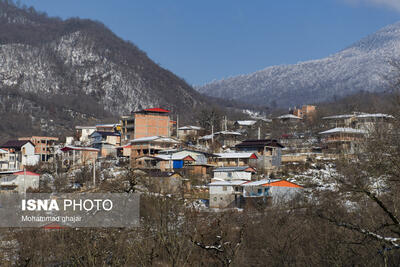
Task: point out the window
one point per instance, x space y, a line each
230 174
224 188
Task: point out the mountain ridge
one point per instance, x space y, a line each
362 66
82 66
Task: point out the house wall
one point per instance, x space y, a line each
235 175
151 125
28 157
23 182
221 196
282 194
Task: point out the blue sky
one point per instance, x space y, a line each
213 39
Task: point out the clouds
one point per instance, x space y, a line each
390 4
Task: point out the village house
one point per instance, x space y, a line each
111 127
244 124
307 112
152 122
83 133
151 146
268 151
224 194
19 182
199 167
190 132
360 120
106 142
235 159
78 156
234 173
240 193
223 139
127 128
342 140
277 190
289 118
44 146
20 153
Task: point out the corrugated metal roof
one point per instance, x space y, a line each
344 130
155 139
234 169
236 155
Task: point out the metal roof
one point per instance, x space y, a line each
235 155
343 130
233 169
259 143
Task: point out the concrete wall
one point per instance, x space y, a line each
233 175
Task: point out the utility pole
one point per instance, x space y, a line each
177 126
94 172
226 124
212 133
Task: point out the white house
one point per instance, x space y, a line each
234 173
20 182
224 193
84 132
20 153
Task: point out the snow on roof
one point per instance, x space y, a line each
227 133
344 130
190 127
377 115
108 125
206 137
155 139
174 157
246 122
359 115
2 151
234 169
85 127
227 183
235 155
289 116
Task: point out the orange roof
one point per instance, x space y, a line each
283 183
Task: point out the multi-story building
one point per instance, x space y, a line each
20 153
269 153
44 146
152 122
146 123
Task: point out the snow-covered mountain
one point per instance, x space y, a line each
364 66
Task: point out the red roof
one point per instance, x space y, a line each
27 173
160 110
